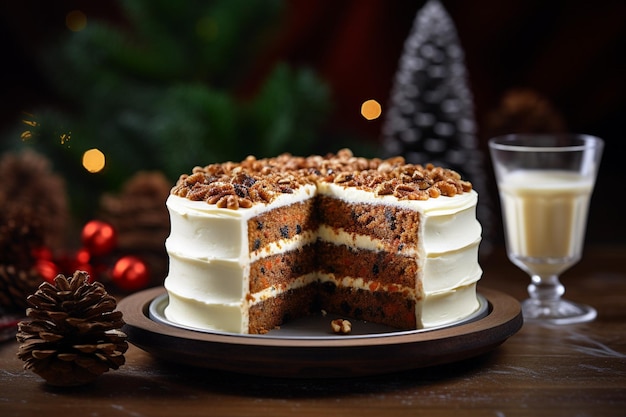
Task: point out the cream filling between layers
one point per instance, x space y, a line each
274 291
284 245
361 284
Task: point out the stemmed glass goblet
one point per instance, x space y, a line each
545 184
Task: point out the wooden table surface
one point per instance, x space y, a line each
574 370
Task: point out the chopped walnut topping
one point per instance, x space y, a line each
234 185
385 188
343 177
341 326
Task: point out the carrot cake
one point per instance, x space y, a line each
256 243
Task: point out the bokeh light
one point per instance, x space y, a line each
93 160
371 109
206 29
65 137
28 134
76 20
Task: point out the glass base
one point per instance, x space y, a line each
556 312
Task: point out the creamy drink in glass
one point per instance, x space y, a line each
545 184
545 218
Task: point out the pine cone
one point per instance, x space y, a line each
140 217
28 183
15 285
524 111
33 215
73 333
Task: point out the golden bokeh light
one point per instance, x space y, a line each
76 20
371 109
65 137
93 160
28 134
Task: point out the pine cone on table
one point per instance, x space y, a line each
73 332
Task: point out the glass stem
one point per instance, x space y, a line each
545 290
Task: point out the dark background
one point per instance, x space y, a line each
571 52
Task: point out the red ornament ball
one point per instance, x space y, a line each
42 253
83 256
47 269
99 237
130 273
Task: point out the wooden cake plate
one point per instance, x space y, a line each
306 348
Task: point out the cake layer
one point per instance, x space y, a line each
281 269
438 309
274 311
204 231
378 267
391 308
393 225
283 223
448 223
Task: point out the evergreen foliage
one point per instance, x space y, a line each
159 91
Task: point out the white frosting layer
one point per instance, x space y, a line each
444 271
209 256
450 306
431 206
192 312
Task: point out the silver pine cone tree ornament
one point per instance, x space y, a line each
430 117
72 334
